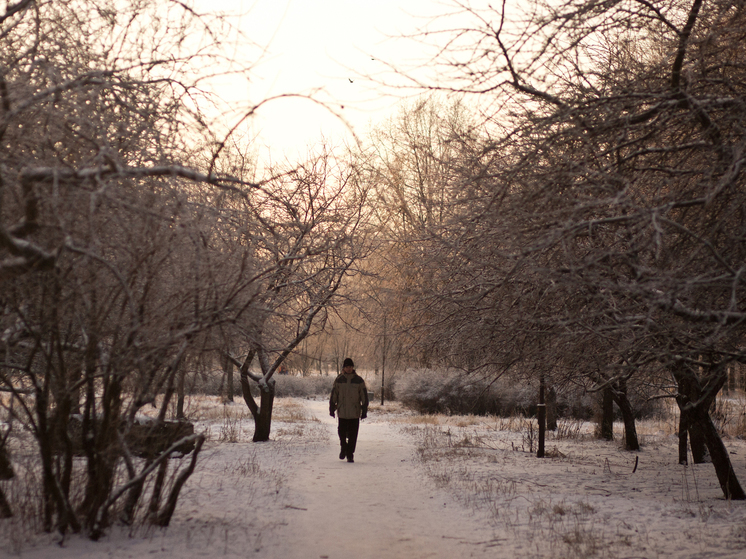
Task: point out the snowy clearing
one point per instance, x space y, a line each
426 487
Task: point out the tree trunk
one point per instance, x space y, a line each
719 454
102 453
606 431
692 392
630 432
262 413
683 438
619 393
5 511
698 443
75 393
6 468
163 518
228 368
130 505
542 416
180 392
552 409
263 419
155 496
699 421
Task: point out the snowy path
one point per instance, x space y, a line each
297 501
380 506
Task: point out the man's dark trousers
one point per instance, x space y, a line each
347 430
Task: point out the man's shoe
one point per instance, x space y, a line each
342 454
349 458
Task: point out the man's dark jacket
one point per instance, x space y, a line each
349 396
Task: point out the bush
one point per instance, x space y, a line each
450 392
453 393
303 387
212 384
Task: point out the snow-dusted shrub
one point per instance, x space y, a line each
303 387
213 384
453 392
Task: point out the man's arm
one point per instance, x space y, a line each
333 399
364 401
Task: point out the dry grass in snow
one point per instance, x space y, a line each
587 498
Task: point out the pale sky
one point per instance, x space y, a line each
310 44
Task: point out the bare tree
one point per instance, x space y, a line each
311 232
115 260
617 178
412 162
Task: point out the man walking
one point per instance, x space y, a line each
349 399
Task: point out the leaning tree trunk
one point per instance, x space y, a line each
261 413
163 518
719 454
692 393
699 421
619 393
691 431
697 443
630 432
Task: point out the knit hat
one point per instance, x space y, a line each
348 363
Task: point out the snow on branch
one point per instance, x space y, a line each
48 174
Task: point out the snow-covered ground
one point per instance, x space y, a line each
427 487
587 498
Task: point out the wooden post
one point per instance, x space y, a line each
542 413
383 360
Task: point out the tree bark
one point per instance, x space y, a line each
683 438
551 409
542 416
6 468
133 497
261 413
102 452
719 454
606 431
619 393
180 396
155 497
692 392
163 518
699 418
630 432
228 369
5 510
700 454
263 419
